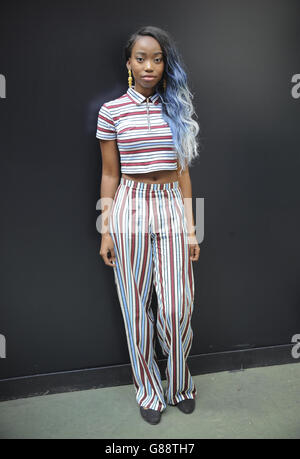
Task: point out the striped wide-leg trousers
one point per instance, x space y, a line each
149 230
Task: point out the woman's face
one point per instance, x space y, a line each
146 61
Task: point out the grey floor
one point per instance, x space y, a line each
254 403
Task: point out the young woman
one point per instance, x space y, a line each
150 239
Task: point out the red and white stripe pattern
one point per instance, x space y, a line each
149 230
144 138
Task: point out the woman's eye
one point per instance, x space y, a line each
158 59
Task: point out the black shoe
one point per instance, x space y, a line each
151 416
187 406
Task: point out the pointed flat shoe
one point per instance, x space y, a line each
149 415
187 406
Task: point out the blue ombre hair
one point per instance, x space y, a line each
177 105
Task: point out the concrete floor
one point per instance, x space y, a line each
254 403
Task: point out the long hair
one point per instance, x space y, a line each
177 105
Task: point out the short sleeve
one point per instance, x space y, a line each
105 125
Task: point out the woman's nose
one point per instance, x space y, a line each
148 66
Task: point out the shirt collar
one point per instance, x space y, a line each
138 98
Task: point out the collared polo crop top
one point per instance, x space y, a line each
144 139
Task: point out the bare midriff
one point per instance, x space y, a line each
154 177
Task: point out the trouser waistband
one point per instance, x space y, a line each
149 186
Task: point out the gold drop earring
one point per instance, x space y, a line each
129 78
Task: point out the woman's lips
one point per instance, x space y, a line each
148 78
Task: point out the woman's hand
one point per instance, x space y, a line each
194 249
107 251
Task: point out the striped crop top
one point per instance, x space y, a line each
144 138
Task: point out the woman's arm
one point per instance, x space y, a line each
110 176
109 184
186 187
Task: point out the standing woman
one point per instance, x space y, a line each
149 239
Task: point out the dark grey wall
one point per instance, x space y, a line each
61 61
